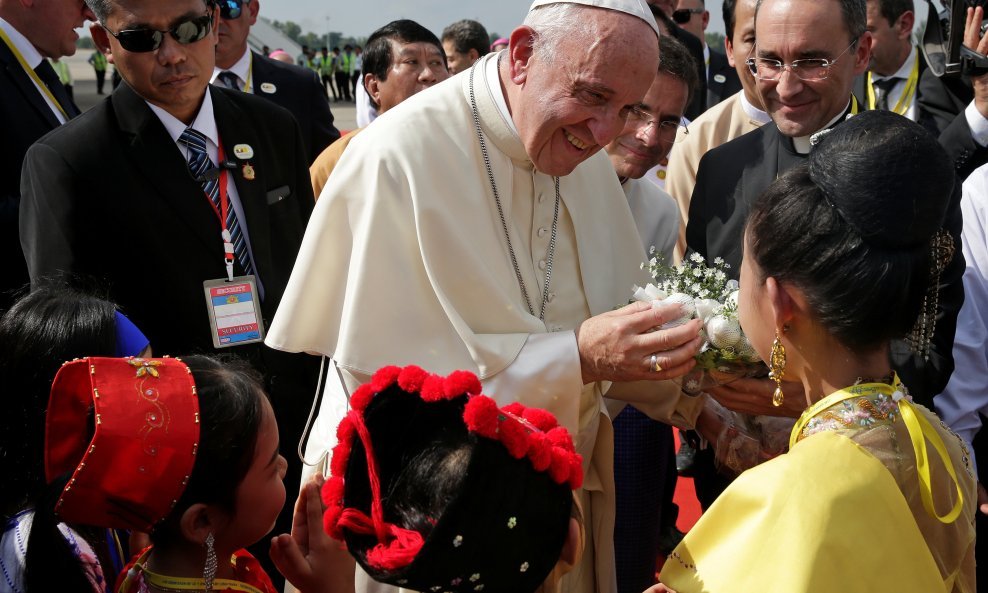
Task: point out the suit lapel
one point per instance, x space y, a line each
235 128
25 86
156 156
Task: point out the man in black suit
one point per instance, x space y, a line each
295 88
662 11
174 146
803 100
29 108
722 81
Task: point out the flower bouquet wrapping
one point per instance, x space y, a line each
704 293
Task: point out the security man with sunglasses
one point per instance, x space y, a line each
806 56
196 232
32 103
295 88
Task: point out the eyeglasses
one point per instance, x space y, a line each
232 9
683 15
668 129
808 69
145 40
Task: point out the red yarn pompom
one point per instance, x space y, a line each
539 451
411 377
384 378
332 492
331 522
432 389
514 437
345 430
340 458
559 469
515 409
361 397
575 471
460 382
540 418
480 416
560 437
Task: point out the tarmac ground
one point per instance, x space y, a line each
84 90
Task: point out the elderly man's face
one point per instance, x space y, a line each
645 142
568 110
788 30
414 68
55 36
174 76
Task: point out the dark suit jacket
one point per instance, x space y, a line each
699 103
944 100
732 176
299 91
24 117
723 80
923 116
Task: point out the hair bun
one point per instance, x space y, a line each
887 176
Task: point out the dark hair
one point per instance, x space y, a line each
230 394
102 8
676 60
467 35
852 227
40 332
666 21
893 9
854 12
378 54
728 12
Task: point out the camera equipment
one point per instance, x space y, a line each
943 41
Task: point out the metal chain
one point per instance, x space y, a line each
500 212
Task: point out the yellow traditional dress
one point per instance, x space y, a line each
876 494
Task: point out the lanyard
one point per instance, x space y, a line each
34 75
221 214
920 431
170 583
906 99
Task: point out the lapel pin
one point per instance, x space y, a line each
720 78
248 172
243 151
268 88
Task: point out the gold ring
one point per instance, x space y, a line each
654 365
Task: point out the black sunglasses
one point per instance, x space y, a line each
145 40
232 9
683 15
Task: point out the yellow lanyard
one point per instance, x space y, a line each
906 99
919 428
34 75
250 72
169 583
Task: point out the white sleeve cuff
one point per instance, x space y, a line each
978 124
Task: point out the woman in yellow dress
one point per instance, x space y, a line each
842 255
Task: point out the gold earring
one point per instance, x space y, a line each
777 368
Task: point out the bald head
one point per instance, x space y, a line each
49 25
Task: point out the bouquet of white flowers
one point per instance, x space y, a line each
704 293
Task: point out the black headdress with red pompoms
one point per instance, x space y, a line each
497 523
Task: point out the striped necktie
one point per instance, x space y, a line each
199 163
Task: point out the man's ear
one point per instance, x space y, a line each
521 48
729 49
252 9
373 87
905 24
102 40
473 54
862 53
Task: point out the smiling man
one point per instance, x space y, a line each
196 172
479 225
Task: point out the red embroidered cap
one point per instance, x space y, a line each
497 517
128 430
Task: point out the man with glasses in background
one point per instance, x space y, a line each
806 56
722 80
207 184
295 88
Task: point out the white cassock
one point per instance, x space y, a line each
405 261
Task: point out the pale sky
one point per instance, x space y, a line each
358 18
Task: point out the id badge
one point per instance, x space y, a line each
234 311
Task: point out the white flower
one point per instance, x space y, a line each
732 285
696 258
718 261
723 332
698 272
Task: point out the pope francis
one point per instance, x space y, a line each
478 225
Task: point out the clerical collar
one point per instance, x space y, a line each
802 143
27 50
241 68
204 122
904 71
493 76
754 113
